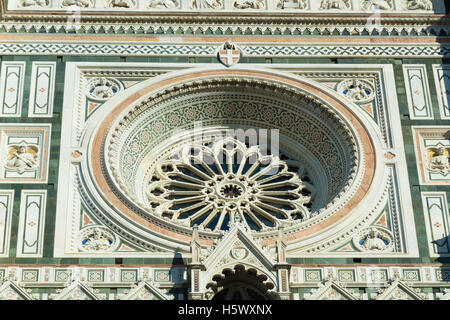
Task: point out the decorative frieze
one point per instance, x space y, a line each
42 89
421 6
417 92
437 216
6 207
266 51
11 88
24 153
442 80
31 223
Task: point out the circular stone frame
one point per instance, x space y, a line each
122 215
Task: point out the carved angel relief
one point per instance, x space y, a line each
420 5
249 4
357 90
121 4
78 3
101 89
374 239
292 4
335 4
22 158
377 5
163 4
34 3
96 239
439 161
206 4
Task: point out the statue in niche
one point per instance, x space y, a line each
77 3
98 240
292 4
207 4
122 4
376 5
163 4
34 3
249 4
440 162
374 241
22 158
420 5
335 4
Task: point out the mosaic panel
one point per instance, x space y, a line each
31 223
436 214
313 275
418 92
42 89
11 88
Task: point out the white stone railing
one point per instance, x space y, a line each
272 6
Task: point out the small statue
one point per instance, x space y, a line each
420 5
22 159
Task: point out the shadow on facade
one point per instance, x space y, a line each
176 274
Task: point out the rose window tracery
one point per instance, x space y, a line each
209 184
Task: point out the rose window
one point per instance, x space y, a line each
210 184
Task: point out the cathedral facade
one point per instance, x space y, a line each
224 149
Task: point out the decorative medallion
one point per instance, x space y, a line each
102 89
229 54
374 239
239 253
357 90
97 239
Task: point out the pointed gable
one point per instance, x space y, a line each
77 290
238 247
330 290
399 290
11 291
145 291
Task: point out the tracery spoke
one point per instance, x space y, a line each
267 206
263 213
186 200
201 212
